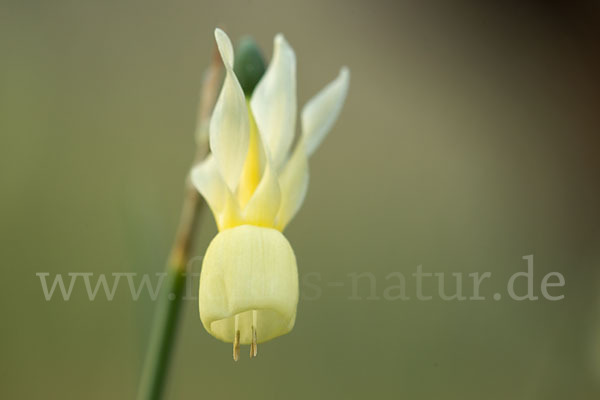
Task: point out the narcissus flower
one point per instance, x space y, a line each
254 184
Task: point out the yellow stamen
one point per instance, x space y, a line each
254 345
236 341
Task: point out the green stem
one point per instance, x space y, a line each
164 330
162 338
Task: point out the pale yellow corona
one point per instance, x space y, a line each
254 184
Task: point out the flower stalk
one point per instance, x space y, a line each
164 328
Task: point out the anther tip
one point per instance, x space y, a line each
236 346
254 345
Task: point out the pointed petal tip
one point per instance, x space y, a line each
220 35
279 39
345 72
280 43
225 47
321 112
344 79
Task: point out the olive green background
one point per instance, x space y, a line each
469 139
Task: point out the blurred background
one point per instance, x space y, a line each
469 139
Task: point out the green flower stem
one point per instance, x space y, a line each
162 339
164 330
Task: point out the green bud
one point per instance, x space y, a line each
249 65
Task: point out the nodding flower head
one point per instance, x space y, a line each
254 184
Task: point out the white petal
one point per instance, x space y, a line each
320 113
207 180
264 204
229 124
294 184
225 47
274 102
